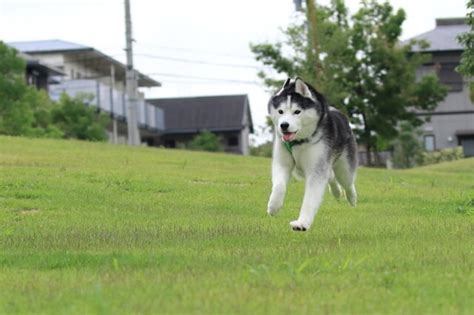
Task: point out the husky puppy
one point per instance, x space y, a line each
313 141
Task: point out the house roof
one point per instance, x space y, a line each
213 113
80 53
443 37
54 45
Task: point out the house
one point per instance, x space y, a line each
452 122
87 70
228 116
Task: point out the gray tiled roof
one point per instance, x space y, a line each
213 113
47 45
443 37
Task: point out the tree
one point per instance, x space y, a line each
78 120
23 109
466 67
407 147
26 111
206 141
361 68
15 116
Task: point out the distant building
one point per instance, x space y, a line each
452 122
84 69
64 67
227 116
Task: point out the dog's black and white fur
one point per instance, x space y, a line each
315 142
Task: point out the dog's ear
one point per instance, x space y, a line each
303 89
285 85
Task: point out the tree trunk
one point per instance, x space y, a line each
313 37
367 139
368 155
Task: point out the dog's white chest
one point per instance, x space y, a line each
306 157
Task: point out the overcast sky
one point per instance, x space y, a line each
181 42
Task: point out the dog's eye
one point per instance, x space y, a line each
280 112
297 112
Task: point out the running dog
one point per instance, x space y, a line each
314 141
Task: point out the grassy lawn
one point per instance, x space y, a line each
95 228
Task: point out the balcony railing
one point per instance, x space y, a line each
111 101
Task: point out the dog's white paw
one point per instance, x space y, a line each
272 210
298 225
274 205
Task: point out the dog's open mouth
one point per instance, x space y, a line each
288 136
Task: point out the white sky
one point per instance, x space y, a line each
209 31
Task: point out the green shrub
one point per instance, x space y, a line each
79 121
407 149
444 155
206 141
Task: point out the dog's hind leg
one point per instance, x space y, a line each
345 172
334 185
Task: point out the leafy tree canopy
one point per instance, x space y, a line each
466 68
79 121
359 64
26 111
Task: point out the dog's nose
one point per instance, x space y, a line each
284 126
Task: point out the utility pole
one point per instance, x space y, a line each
112 105
131 84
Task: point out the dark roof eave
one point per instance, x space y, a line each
40 52
42 67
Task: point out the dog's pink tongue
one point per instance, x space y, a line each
288 136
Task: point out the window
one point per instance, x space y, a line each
429 142
233 141
424 71
449 77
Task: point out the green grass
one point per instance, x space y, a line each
95 228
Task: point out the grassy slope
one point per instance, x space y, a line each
107 229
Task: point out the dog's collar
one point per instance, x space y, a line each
290 144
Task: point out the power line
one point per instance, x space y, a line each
202 78
194 51
184 60
197 61
186 82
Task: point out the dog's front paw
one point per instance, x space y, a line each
274 205
298 225
272 210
